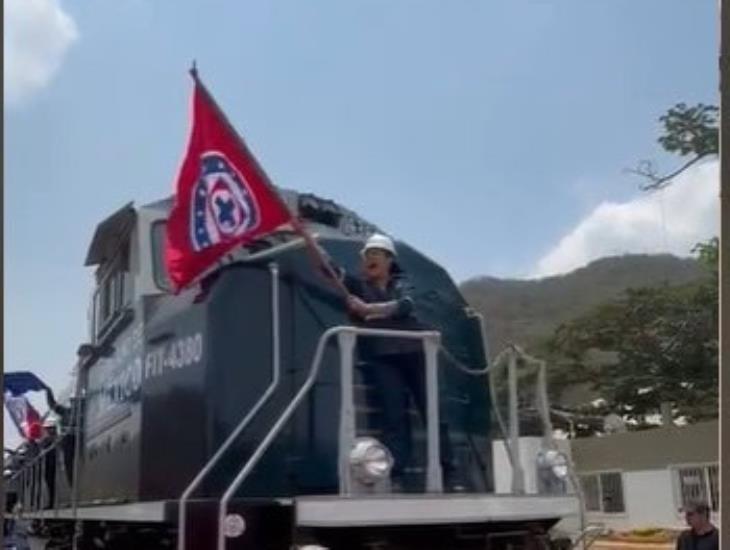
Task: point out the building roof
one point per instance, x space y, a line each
648 449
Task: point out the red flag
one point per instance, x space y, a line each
223 198
24 416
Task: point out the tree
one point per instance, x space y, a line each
658 345
688 132
652 345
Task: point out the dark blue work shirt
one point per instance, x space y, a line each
398 290
689 540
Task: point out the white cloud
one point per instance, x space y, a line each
672 220
37 35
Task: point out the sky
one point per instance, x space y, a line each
493 135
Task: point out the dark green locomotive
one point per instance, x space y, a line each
165 381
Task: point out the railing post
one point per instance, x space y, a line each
42 484
38 484
544 403
79 406
21 497
24 501
273 432
233 436
33 489
33 497
59 450
518 476
26 489
347 340
434 481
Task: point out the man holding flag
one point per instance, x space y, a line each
224 199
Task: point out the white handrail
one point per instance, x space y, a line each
276 368
294 403
548 440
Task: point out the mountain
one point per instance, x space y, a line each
524 312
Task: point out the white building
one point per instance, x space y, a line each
642 479
636 479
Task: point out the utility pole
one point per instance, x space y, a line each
724 279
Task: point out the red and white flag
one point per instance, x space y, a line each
223 198
24 415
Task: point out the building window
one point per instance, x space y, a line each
591 493
699 483
603 492
612 492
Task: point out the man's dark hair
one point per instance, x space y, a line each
698 507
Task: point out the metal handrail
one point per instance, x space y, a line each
548 440
518 474
347 341
79 405
27 474
37 457
276 368
433 444
490 369
264 445
31 467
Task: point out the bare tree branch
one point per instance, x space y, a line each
689 131
646 169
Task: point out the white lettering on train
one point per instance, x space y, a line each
183 352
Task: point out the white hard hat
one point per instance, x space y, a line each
379 241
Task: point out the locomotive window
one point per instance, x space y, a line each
113 294
159 270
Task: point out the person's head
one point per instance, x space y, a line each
378 255
49 428
697 515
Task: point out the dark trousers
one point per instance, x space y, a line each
397 379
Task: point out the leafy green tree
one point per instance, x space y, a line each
650 346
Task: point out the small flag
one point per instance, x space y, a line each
20 382
223 198
25 417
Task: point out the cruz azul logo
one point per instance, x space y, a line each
222 207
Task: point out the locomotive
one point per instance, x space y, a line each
235 414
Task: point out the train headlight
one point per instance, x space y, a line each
555 461
370 460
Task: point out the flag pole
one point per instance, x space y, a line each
314 250
317 256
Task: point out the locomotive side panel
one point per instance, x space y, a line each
174 413
112 421
240 371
